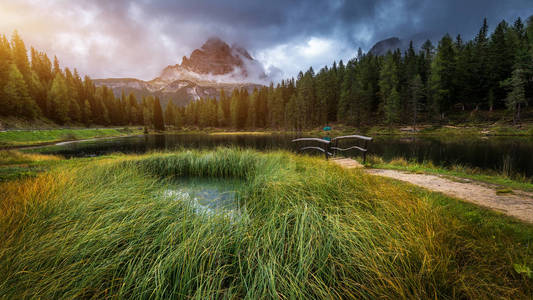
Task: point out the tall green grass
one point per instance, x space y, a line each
308 230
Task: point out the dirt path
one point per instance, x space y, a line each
518 204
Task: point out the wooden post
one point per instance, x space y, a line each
364 153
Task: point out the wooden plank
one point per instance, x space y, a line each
311 140
361 137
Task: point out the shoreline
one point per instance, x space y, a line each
7 143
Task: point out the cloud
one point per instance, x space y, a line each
123 38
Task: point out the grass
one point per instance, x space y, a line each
461 130
241 133
10 157
37 137
503 179
308 229
15 164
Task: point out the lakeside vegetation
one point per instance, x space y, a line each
17 138
307 229
18 165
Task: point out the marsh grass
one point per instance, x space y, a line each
15 164
10 157
311 230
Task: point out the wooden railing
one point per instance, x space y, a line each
331 148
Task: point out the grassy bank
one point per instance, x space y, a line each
504 179
17 165
341 129
307 229
20 138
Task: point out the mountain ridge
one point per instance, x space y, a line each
215 66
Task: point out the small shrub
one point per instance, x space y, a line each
373 160
400 162
523 269
430 165
504 191
69 136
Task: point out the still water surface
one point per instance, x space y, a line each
207 196
496 153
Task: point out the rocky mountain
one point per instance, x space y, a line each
213 67
383 46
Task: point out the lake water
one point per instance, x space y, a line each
496 153
207 196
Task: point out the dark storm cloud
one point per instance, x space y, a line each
260 24
138 38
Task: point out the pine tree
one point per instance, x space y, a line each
416 88
18 100
170 114
59 99
56 68
159 123
480 68
325 93
234 108
516 97
5 61
243 105
134 112
86 113
251 121
388 85
225 105
442 78
275 100
347 93
501 59
20 56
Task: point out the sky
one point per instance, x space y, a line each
120 38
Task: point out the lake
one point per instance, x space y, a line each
495 153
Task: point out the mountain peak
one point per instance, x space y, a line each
216 61
383 46
214 43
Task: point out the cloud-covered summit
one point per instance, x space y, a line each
216 61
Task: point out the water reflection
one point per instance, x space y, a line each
207 196
496 153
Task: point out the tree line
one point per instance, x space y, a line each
37 87
489 72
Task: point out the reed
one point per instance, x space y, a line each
308 230
10 157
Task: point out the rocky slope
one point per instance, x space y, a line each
213 67
383 46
